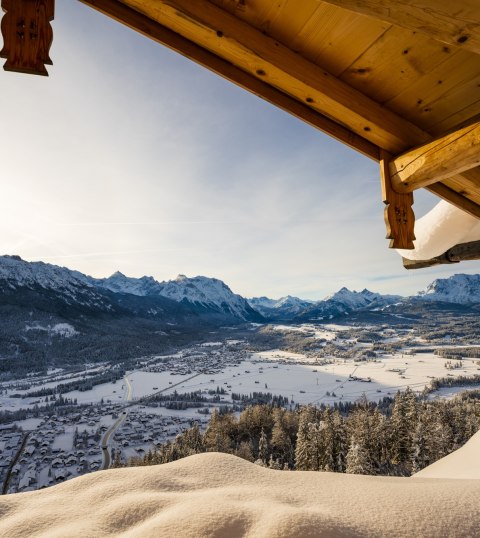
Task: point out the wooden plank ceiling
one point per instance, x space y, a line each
386 77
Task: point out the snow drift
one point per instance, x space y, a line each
219 495
441 229
463 463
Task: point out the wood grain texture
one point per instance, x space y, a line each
396 60
231 39
332 38
438 160
256 53
469 206
399 216
454 23
159 33
27 35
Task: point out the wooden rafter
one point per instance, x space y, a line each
443 20
438 160
254 52
455 198
458 253
159 33
223 43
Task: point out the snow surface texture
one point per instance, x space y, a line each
441 229
463 463
222 496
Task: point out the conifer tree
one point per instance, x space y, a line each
281 445
400 435
263 447
357 459
419 447
245 451
340 442
274 463
302 458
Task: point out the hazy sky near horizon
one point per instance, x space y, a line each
130 157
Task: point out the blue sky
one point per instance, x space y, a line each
130 157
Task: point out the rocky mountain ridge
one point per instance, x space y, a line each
460 289
201 295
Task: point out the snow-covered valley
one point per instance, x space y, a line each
59 434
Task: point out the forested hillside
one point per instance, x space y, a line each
396 437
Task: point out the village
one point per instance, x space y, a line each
66 435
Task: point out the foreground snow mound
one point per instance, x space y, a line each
218 495
463 463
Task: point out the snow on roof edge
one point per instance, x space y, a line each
441 229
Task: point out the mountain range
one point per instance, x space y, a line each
67 289
461 289
43 305
119 293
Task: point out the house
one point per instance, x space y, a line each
61 474
30 477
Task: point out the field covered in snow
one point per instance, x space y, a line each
301 377
303 381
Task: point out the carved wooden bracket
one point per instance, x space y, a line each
399 216
27 35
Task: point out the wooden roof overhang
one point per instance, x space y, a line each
397 80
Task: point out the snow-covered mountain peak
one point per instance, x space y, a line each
280 309
345 301
17 273
460 288
353 298
342 293
263 302
209 293
119 283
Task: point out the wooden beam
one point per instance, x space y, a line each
399 216
159 33
443 158
215 34
230 38
454 23
459 253
455 199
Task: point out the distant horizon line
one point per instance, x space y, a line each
249 297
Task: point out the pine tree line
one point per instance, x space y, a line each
367 439
459 381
